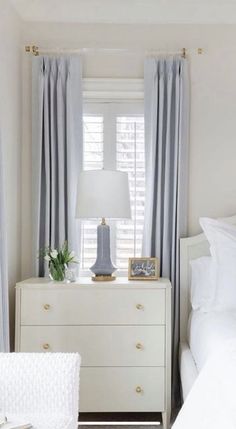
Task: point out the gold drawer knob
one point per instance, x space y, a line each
139 389
139 346
140 307
46 306
46 346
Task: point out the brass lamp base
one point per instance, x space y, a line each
103 278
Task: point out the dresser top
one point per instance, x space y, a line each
86 282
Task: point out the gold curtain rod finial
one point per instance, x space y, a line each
32 50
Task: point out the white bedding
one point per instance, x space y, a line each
211 401
207 332
187 368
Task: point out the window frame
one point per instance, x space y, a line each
127 99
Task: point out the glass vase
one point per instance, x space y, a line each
57 273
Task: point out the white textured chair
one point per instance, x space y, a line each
40 388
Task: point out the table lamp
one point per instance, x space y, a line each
103 194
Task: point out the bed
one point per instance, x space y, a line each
192 357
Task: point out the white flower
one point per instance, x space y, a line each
72 254
54 254
47 258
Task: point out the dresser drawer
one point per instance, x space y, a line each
100 345
114 389
92 307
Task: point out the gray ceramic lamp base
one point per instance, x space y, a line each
103 267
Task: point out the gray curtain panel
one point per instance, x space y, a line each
57 136
166 85
4 305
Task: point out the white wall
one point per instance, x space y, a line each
212 183
10 120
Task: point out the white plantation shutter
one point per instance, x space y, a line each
130 158
92 160
114 139
93 142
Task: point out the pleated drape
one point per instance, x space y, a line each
166 138
57 152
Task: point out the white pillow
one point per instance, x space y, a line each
222 239
202 296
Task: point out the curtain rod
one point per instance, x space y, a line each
35 50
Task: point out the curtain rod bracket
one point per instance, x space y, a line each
184 53
35 50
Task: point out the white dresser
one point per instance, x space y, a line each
121 329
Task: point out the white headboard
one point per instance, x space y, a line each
191 248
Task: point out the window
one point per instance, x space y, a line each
114 139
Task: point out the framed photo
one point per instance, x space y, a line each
144 269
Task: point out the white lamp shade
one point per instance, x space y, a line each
103 193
